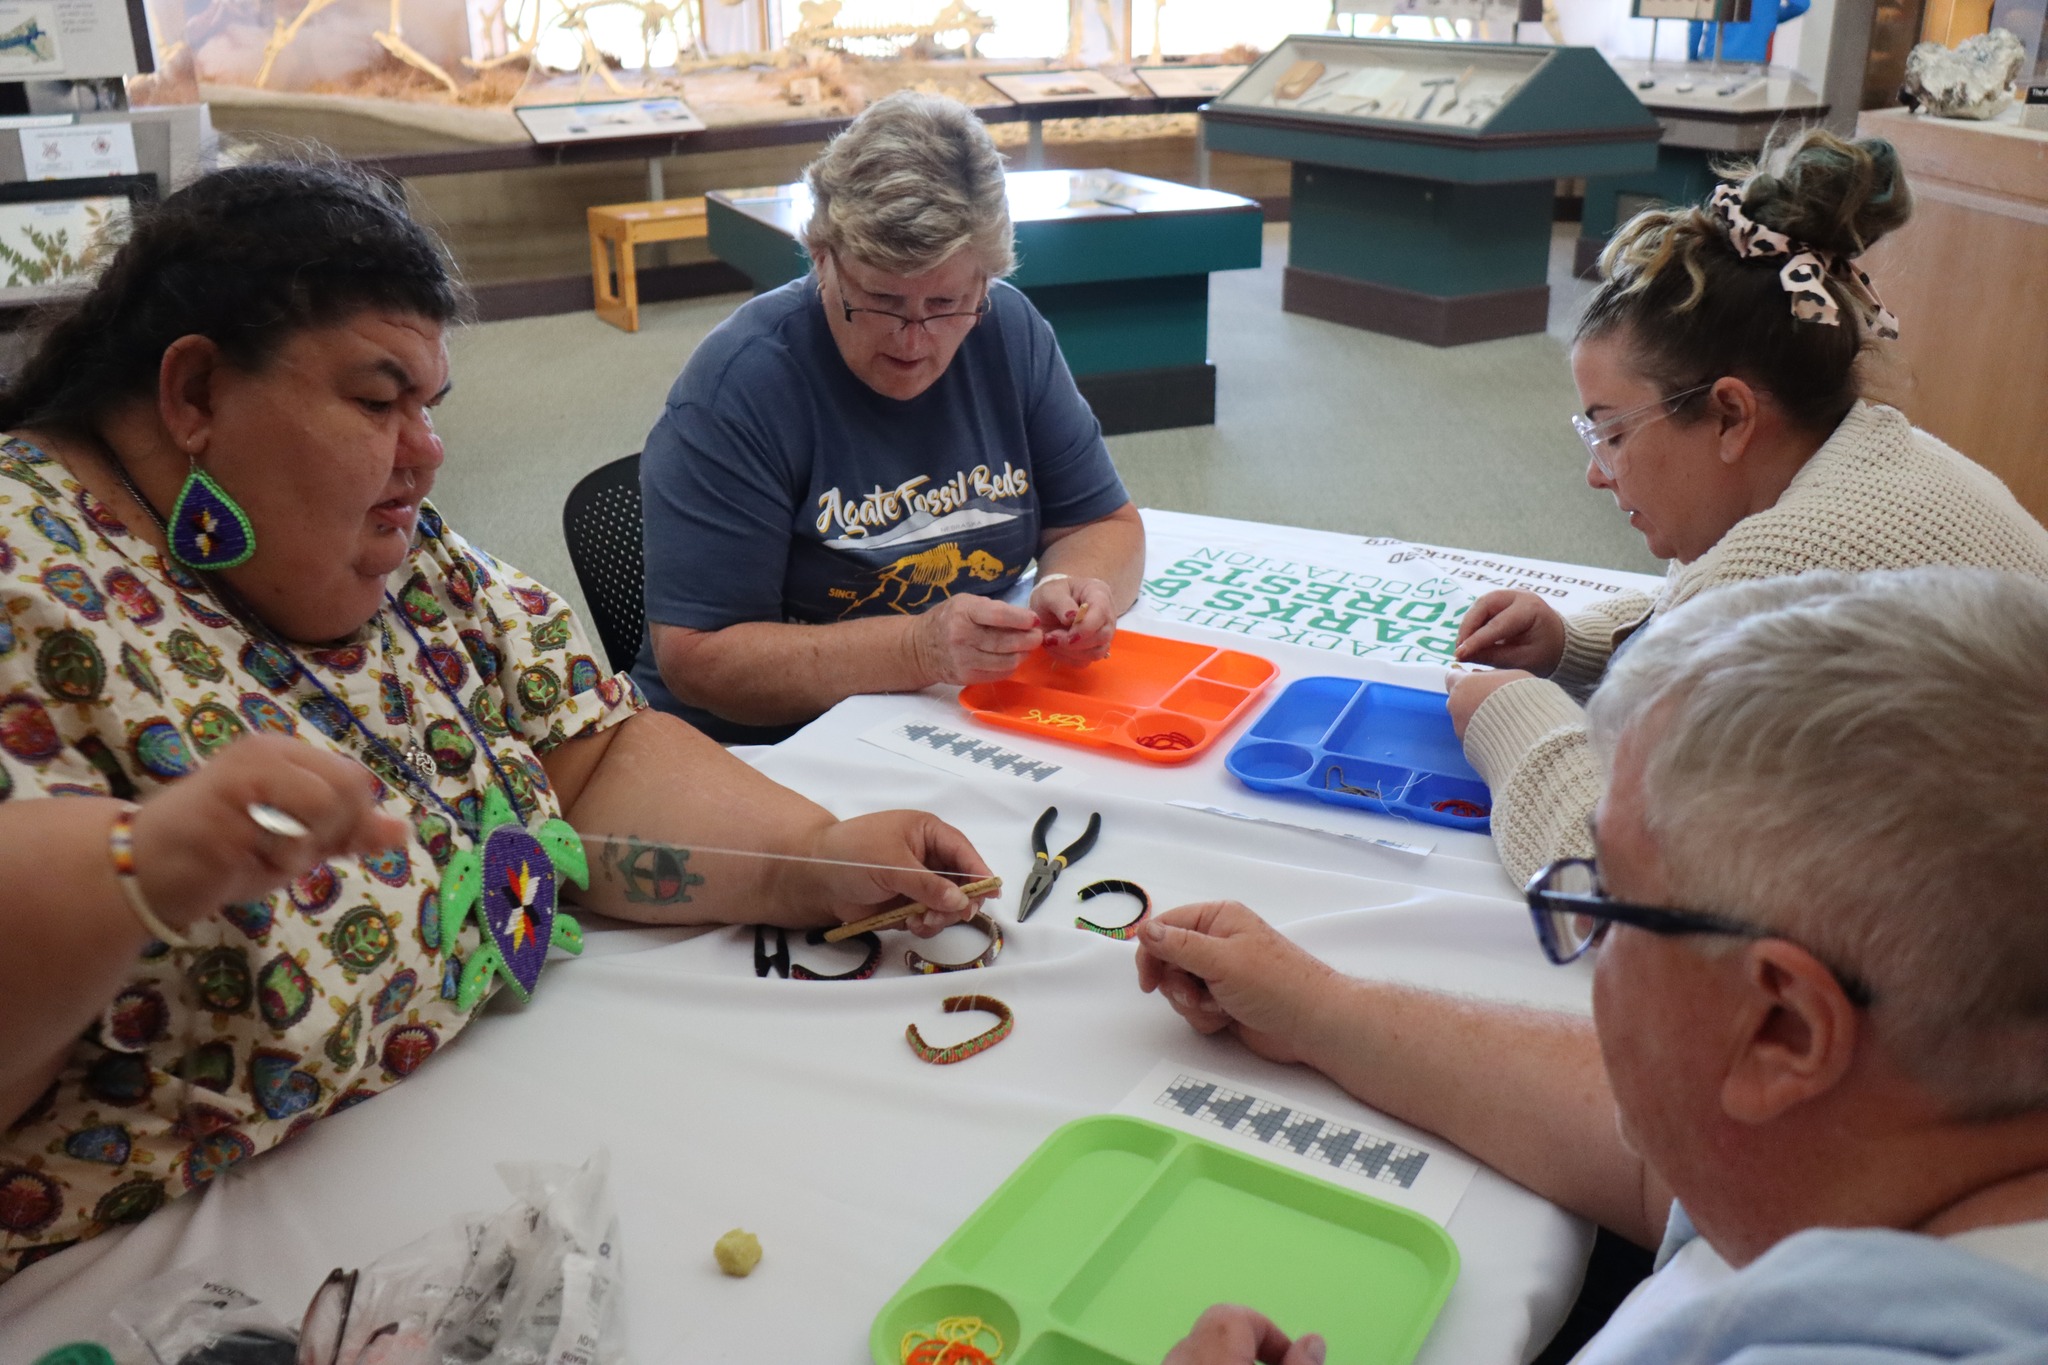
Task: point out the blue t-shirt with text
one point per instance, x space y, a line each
776 486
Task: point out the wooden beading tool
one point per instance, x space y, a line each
889 919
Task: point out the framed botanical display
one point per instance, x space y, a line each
57 232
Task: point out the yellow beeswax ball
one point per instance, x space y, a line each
738 1252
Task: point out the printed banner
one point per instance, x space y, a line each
1390 600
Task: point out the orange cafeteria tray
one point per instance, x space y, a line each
1160 700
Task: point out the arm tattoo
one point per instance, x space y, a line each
651 874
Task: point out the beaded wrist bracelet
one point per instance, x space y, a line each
870 941
778 962
918 962
1115 888
121 848
980 1042
766 962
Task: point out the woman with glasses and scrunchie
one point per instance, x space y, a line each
1720 364
855 467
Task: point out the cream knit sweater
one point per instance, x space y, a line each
1878 495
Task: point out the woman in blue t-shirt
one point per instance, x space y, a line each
854 467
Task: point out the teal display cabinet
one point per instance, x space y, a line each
1711 116
1425 173
1118 264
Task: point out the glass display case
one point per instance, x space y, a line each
1684 89
458 66
1483 112
1345 80
1709 114
1425 173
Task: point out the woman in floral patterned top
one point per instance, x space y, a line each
230 925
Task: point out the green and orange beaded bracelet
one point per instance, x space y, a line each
980 1042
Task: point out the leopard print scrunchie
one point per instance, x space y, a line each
1806 269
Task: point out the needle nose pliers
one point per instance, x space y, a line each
1045 870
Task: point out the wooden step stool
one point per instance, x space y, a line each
615 229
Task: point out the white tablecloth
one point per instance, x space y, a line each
795 1109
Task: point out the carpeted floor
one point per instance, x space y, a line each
1317 425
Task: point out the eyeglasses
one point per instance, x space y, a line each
874 319
952 322
1609 431
1572 914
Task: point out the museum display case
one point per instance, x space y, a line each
1710 113
1341 81
1424 172
442 74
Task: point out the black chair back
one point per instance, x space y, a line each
601 521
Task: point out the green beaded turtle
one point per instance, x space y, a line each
511 878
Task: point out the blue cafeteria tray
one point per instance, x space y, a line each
1371 745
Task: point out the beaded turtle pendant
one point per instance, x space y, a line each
511 877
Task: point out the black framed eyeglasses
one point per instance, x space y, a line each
1572 914
955 322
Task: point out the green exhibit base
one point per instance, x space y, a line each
1429 318
1425 260
1682 175
1151 400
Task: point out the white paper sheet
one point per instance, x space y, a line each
78 152
551 123
1392 845
1373 1155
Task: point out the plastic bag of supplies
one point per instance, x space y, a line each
537 1284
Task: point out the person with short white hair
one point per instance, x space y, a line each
1817 1068
854 468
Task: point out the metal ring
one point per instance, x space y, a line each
871 941
980 1042
918 962
1114 888
274 821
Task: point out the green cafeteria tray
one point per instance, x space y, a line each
1109 1241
